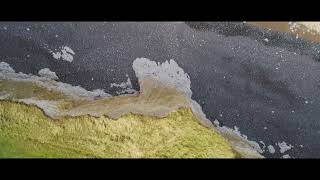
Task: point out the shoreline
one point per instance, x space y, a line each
304 30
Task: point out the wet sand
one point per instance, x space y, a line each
300 31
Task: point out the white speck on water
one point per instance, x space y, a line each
56 35
236 129
284 147
292 111
125 86
272 112
91 79
69 50
286 156
28 55
271 149
265 128
277 68
28 29
216 122
5 28
266 40
306 102
220 115
65 54
301 145
56 55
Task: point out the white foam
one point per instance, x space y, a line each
5 67
171 74
69 50
56 55
46 72
271 149
236 132
284 146
125 86
74 92
66 54
168 73
286 156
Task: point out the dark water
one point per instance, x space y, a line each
236 75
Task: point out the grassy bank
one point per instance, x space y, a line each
27 132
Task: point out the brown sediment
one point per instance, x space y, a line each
154 99
19 90
300 31
240 146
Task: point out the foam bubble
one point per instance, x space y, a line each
168 73
46 72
